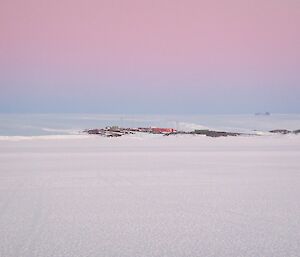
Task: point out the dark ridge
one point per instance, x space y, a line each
280 131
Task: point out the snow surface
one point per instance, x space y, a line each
150 196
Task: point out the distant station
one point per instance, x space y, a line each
115 131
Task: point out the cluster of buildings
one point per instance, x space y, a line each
115 131
155 130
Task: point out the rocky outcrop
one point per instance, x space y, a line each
280 131
212 133
206 132
285 131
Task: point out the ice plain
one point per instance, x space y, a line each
150 196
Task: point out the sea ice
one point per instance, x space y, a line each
150 196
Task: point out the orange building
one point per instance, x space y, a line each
163 130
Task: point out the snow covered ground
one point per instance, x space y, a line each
149 196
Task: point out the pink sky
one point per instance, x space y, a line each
150 39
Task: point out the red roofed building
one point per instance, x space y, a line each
162 130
